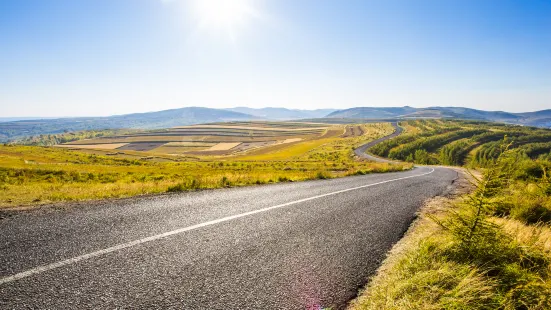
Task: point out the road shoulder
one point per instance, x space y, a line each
385 279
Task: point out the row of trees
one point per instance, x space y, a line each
60 138
459 143
431 144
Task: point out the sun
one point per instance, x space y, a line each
223 14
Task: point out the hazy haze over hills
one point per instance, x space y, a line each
537 118
150 120
197 115
283 113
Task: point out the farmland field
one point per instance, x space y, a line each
218 139
184 158
103 146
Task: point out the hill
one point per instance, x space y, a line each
459 142
150 120
283 113
538 118
470 243
24 127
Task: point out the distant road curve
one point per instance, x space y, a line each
303 245
361 151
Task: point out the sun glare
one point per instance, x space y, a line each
223 14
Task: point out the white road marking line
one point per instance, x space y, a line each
125 245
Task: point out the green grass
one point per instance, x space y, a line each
490 249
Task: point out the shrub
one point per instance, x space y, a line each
225 182
322 175
185 186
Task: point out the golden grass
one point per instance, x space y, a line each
283 151
37 175
409 129
537 235
422 270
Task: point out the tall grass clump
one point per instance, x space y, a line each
186 185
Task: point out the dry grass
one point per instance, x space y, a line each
41 175
425 271
283 151
408 128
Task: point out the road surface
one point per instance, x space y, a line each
361 151
304 245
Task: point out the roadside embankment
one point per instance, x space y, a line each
484 245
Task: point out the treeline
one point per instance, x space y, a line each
54 139
383 149
429 144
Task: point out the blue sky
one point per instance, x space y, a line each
103 57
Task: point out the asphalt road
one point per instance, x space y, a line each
304 245
361 151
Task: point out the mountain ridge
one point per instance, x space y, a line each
277 113
536 118
199 115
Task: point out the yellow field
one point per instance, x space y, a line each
31 175
283 151
213 139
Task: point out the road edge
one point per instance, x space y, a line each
417 231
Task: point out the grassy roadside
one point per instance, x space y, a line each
33 175
488 249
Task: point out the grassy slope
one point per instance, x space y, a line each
31 175
424 272
432 142
505 264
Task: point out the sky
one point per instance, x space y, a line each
106 57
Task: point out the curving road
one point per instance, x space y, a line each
361 151
301 245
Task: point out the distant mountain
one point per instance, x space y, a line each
150 120
10 130
283 113
367 112
13 119
538 118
